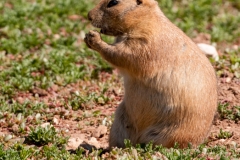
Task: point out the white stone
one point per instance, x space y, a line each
74 143
209 50
45 125
100 131
55 121
93 141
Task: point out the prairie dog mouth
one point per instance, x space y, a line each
111 32
107 32
103 31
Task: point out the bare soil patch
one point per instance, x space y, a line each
82 125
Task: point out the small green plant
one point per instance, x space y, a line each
232 114
45 135
16 152
127 143
224 134
224 111
53 151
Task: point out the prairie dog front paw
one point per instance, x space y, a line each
93 39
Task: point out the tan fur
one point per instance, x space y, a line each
170 86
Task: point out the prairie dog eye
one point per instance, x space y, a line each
112 3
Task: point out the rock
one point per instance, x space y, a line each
74 17
2 134
74 143
29 118
20 100
15 128
93 141
38 116
88 147
104 121
233 144
55 121
228 79
100 131
8 137
45 125
204 151
39 91
134 153
235 47
82 34
159 155
55 87
17 140
209 50
56 36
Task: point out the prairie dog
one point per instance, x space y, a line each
170 86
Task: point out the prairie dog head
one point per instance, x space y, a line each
118 17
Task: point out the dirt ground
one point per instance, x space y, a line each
228 92
83 127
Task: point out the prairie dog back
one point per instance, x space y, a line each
170 85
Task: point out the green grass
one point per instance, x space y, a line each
41 35
229 113
45 135
21 152
41 45
207 16
224 134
